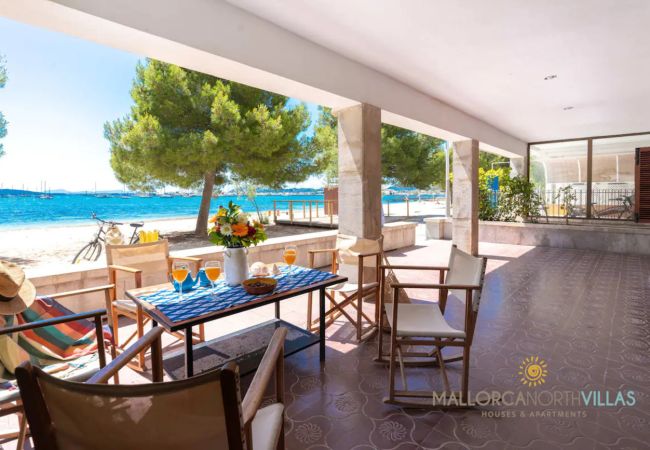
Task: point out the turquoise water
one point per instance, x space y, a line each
21 212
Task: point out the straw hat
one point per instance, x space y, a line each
16 292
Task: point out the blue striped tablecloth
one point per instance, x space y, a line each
201 300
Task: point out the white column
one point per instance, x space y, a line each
359 137
465 218
447 183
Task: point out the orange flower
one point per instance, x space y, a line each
240 230
212 219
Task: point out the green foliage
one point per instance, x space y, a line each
488 204
489 161
250 191
408 158
411 159
519 199
516 199
566 197
3 122
324 143
186 128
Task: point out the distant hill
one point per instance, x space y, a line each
17 192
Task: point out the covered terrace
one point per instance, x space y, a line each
493 76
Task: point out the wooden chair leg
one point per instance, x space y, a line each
377 309
441 363
465 383
22 431
380 338
202 332
140 327
359 306
116 378
116 327
391 369
405 385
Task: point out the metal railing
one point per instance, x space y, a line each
307 210
324 212
612 204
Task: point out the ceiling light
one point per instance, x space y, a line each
567 108
550 77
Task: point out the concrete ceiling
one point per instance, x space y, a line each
490 59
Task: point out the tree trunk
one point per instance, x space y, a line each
204 211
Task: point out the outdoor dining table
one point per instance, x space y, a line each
175 312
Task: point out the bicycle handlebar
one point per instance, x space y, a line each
102 221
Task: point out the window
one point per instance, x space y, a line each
560 169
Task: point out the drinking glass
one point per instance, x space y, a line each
212 271
289 255
180 270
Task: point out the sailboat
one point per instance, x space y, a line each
124 194
45 195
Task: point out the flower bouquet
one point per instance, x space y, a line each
233 229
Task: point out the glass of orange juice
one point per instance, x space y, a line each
289 255
212 271
180 270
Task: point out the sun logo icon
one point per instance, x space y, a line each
533 371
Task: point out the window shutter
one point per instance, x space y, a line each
642 181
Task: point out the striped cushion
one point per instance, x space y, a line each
47 345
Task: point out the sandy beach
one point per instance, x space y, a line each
33 247
58 244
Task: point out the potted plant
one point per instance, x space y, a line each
233 229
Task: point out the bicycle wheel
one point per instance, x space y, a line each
89 252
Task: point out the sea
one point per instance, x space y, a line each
32 211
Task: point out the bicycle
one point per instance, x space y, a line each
93 249
623 211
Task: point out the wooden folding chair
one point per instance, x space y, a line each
202 412
424 325
80 368
357 259
135 266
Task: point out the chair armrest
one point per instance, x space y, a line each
187 258
272 360
151 339
112 276
323 250
124 269
90 290
191 259
54 321
467 287
400 267
332 251
365 255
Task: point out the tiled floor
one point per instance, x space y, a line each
587 314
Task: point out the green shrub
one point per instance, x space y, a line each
516 199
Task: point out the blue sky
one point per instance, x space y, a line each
60 91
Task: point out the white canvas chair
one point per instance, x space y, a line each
424 325
358 259
203 412
135 266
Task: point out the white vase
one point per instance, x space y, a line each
235 265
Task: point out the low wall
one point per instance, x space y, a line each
607 237
59 279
